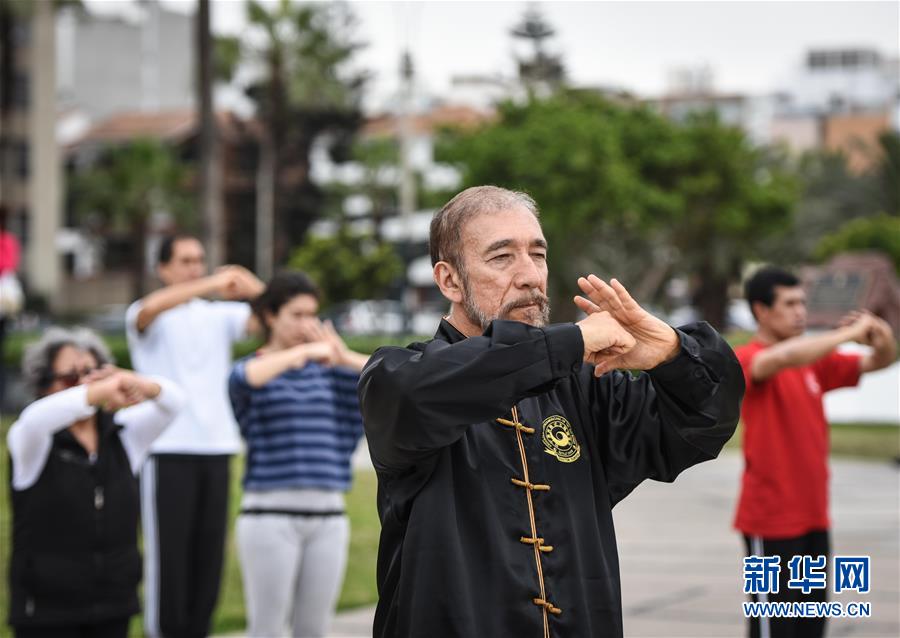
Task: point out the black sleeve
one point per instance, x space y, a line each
672 417
416 401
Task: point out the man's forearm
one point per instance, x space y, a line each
167 298
798 351
883 354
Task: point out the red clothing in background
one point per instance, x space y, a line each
784 492
9 252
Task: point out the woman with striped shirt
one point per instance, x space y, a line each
295 401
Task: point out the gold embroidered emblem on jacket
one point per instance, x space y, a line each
559 439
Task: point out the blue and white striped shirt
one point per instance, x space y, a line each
301 427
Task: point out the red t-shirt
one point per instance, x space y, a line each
784 492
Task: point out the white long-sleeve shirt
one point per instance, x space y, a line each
30 438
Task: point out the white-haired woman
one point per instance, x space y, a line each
75 451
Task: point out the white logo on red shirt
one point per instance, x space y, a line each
812 383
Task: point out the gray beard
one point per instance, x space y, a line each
477 316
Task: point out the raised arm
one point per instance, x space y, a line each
681 411
881 339
671 417
806 349
229 282
144 422
417 400
31 436
262 369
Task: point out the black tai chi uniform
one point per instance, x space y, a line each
499 460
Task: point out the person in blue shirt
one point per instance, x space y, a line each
295 401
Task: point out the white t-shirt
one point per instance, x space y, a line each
191 345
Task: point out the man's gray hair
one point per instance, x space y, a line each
38 358
445 238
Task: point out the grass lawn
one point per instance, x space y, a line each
875 442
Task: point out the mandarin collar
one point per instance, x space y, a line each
448 333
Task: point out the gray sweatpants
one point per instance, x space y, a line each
292 567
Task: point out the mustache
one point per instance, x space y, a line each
535 298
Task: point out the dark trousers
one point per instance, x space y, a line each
117 628
184 506
813 544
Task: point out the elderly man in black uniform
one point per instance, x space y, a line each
502 444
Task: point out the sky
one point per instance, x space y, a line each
750 47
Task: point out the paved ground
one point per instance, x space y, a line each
681 562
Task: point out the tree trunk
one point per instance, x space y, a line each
265 208
710 298
210 176
277 133
138 264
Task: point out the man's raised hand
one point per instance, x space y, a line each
604 340
236 282
656 341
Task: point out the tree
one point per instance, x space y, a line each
307 88
542 73
567 155
124 188
830 195
879 233
348 265
624 192
886 174
379 159
732 199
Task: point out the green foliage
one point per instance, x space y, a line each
734 198
347 265
879 233
830 196
377 152
379 157
305 88
567 152
886 174
306 49
833 196
623 191
128 183
226 57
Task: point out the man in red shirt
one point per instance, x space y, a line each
783 507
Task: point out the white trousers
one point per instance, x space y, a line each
293 568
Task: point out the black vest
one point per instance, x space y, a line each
75 556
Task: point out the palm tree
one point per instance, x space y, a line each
124 188
307 88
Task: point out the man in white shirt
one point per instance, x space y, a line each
175 332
